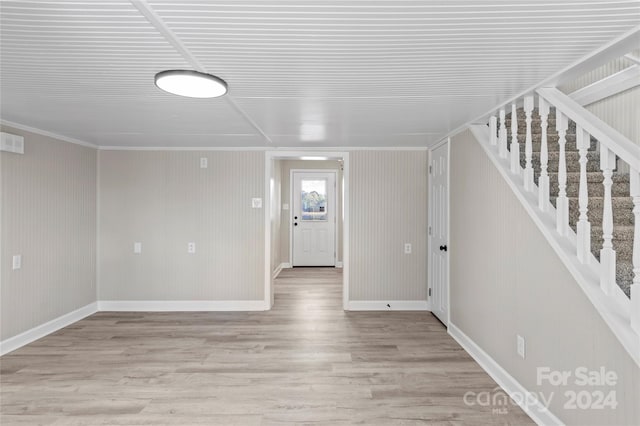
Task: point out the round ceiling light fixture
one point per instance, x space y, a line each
192 84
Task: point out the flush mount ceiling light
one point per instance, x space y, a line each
192 84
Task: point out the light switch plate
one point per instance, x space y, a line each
204 162
137 248
256 203
285 207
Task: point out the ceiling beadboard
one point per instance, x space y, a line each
313 73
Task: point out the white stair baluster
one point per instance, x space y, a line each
502 139
493 130
583 227
515 146
528 148
543 180
607 253
635 286
562 203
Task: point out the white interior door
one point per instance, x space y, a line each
314 218
439 232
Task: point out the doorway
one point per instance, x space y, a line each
313 218
439 231
279 215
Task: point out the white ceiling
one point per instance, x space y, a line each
301 73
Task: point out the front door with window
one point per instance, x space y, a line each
314 218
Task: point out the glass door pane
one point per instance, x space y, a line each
314 199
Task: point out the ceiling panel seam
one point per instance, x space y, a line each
156 21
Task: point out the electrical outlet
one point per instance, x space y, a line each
204 162
137 248
17 262
520 346
407 248
191 248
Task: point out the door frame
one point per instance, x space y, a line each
336 214
270 157
447 142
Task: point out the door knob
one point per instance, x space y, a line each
443 248
295 217
295 223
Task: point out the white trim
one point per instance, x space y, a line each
335 203
338 264
444 141
538 412
181 305
286 265
184 148
38 332
277 271
381 305
616 83
614 310
48 134
305 150
276 154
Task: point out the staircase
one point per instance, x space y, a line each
623 218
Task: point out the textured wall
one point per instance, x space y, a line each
165 200
507 280
48 203
287 166
388 207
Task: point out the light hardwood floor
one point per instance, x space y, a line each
304 362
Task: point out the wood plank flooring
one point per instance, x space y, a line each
304 362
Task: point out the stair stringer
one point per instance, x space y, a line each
615 309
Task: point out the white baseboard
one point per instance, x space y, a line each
181 305
276 272
15 342
338 264
538 412
286 265
387 305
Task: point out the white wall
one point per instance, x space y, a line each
507 280
165 200
48 203
388 208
